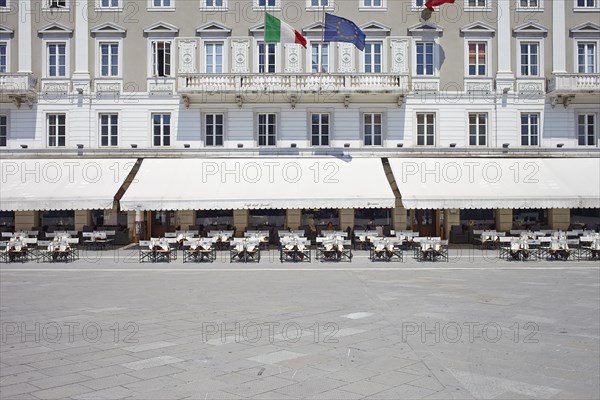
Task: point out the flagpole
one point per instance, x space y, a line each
321 49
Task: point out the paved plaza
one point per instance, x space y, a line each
107 327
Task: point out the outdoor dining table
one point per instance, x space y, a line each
334 247
386 249
157 250
521 248
198 250
18 248
61 248
245 250
294 248
221 239
431 249
98 239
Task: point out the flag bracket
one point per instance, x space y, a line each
293 101
346 100
238 100
400 100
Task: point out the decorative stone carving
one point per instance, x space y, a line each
292 59
240 49
346 51
187 56
399 55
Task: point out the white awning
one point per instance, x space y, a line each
61 184
428 183
255 183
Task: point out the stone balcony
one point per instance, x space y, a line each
574 83
18 88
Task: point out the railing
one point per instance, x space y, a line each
17 83
191 83
574 83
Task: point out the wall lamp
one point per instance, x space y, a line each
24 146
400 145
240 145
134 146
346 145
80 146
186 146
453 145
293 145
560 145
505 145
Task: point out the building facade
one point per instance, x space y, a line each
195 79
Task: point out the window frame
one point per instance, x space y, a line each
435 129
102 8
65 126
529 136
309 55
477 113
162 134
364 114
596 44
257 7
435 72
109 135
6 44
205 7
320 124
47 3
223 114
309 7
206 43
119 43
596 130
6 7
363 7
486 43
276 52
52 42
540 54
4 137
275 125
151 60
485 7
381 55
529 8
153 8
594 8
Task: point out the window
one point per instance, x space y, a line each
214 129
214 58
586 58
267 129
57 59
425 129
477 59
57 130
372 123
419 4
109 130
529 3
320 57
319 129
213 3
161 129
586 129
586 3
161 58
425 58
530 59
109 3
530 126
57 3
318 3
372 3
3 57
3 130
267 3
476 3
373 57
266 57
109 59
3 3
162 3
477 129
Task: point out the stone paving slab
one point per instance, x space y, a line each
386 341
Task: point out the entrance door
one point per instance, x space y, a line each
426 222
162 222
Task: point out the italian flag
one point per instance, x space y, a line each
279 32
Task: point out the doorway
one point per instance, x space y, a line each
426 222
162 222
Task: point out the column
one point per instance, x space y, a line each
81 75
24 35
293 218
110 216
399 216
82 218
559 38
559 218
504 219
240 221
131 225
346 218
451 218
505 77
186 218
25 220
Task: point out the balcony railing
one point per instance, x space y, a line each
574 83
17 83
292 83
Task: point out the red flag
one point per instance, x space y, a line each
434 3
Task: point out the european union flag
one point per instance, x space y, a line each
338 29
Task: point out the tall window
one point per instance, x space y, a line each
161 58
213 127
477 59
530 129
3 3
373 57
3 57
529 3
320 57
267 3
586 3
319 3
57 3
266 57
477 129
372 128
530 59
213 3
162 3
372 3
425 58
425 129
586 129
161 129
109 129
477 3
319 129
267 129
214 58
57 130
109 59
57 59
3 130
586 58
